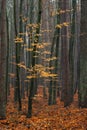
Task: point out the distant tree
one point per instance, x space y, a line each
7 60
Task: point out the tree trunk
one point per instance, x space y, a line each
32 85
17 25
3 42
83 56
66 88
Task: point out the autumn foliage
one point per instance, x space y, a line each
44 117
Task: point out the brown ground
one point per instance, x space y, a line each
44 117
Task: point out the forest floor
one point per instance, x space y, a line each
44 117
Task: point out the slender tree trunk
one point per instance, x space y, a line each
83 56
7 61
32 87
17 25
3 42
72 46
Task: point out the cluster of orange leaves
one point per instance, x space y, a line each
45 117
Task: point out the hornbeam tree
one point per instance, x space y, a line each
32 87
66 88
83 56
3 41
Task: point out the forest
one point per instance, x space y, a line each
43 64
